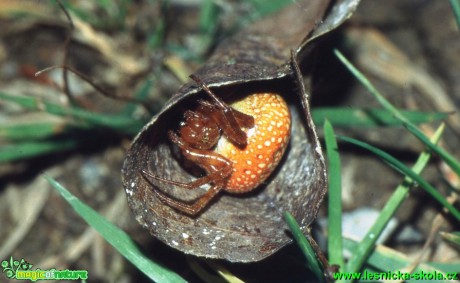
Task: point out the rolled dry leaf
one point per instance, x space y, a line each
240 227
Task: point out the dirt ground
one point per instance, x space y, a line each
410 49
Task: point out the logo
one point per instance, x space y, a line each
22 270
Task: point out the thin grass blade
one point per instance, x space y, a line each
225 273
263 8
367 244
455 4
304 246
24 150
335 246
384 259
373 117
447 157
400 167
208 17
370 87
141 95
120 123
117 238
453 238
33 130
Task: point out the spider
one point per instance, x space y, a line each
237 145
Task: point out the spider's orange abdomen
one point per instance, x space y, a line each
267 141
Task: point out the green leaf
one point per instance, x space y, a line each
400 167
447 157
367 244
32 131
264 8
384 259
208 17
445 266
453 237
455 4
370 87
140 94
373 117
24 150
335 198
117 238
86 118
304 246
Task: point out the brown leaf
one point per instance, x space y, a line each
247 227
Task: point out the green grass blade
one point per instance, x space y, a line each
156 36
367 244
117 238
32 131
373 117
455 4
445 266
140 94
117 122
24 150
264 8
335 248
453 238
304 246
208 17
448 158
209 14
384 259
400 167
223 272
370 87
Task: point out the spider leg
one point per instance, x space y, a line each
147 175
216 176
190 208
216 166
244 120
222 105
225 116
231 122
